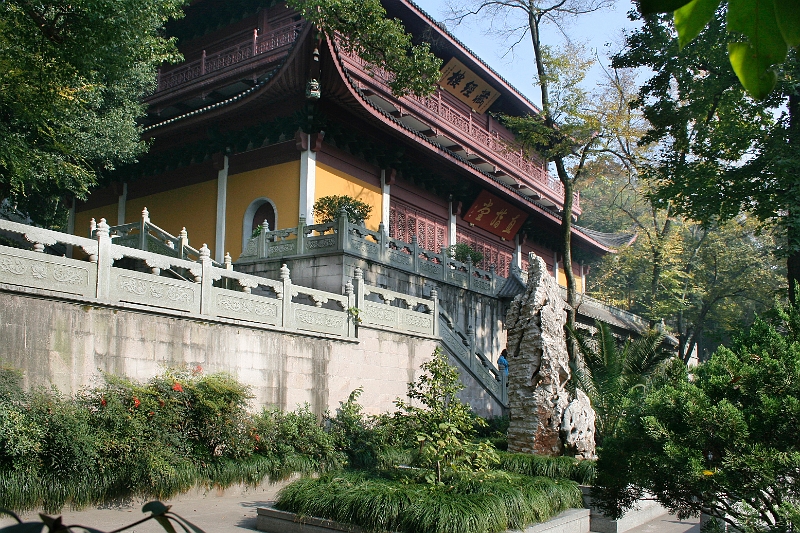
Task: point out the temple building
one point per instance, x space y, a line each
262 119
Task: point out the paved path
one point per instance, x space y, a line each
234 511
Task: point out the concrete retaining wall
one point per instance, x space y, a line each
69 344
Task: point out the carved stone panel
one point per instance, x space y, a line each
379 315
324 242
430 269
320 320
40 271
242 306
155 291
417 322
400 258
365 248
282 248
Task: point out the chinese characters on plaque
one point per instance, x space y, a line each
462 83
495 216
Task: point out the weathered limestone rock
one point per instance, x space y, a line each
538 365
577 427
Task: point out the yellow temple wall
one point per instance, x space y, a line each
82 218
280 183
331 181
193 207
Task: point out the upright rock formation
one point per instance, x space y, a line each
539 371
577 427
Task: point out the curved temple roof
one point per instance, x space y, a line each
290 70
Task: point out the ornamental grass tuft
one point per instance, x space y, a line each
479 502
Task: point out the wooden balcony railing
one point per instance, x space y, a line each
528 170
254 46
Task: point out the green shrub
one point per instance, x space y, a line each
724 443
157 439
401 501
296 437
463 251
367 441
441 425
328 208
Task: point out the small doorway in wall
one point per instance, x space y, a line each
257 212
265 211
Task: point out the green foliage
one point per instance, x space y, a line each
362 27
614 376
441 425
328 208
771 28
158 438
400 501
297 438
719 152
724 443
463 251
73 75
368 441
579 470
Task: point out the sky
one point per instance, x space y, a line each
597 30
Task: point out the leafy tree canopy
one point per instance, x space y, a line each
363 27
771 28
718 152
724 443
72 75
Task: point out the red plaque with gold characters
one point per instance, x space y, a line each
465 85
495 216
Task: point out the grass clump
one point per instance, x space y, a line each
403 501
580 471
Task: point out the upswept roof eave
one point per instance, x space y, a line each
463 48
357 94
239 98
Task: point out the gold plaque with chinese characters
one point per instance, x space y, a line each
465 85
495 216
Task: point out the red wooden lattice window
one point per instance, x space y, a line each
493 254
405 222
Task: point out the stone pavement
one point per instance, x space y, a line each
234 511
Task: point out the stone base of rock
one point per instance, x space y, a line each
645 511
274 521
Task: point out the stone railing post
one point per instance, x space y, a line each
262 245
383 243
301 235
288 318
183 241
143 229
206 280
352 316
104 261
435 309
414 254
445 262
342 231
471 346
470 272
228 261
358 287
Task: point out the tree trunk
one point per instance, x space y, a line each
566 240
793 201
